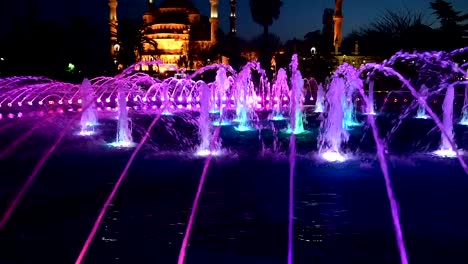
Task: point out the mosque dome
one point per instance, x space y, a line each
185 4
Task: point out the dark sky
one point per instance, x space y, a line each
297 16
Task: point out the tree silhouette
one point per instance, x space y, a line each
135 43
454 24
264 13
391 32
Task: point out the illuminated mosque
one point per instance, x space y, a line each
176 26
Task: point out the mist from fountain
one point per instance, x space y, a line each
319 105
295 103
89 117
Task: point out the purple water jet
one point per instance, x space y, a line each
296 103
464 120
279 92
124 133
332 131
319 105
370 105
446 149
103 210
421 114
89 115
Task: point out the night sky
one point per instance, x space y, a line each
297 16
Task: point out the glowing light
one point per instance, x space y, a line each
69 101
20 104
222 123
98 100
332 156
422 116
446 153
135 99
30 103
123 144
144 99
51 102
285 98
278 118
108 100
189 99
9 104
80 101
86 133
243 128
207 152
41 103
20 114
153 99
166 113
60 102
179 98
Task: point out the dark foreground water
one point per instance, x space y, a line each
342 211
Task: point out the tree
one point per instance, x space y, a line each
264 13
453 24
135 43
392 32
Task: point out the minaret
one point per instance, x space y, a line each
148 17
232 18
214 20
338 19
113 22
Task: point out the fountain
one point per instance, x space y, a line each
124 133
370 105
244 109
446 149
348 106
220 89
332 129
280 91
421 114
319 106
89 115
186 98
204 124
464 120
297 93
